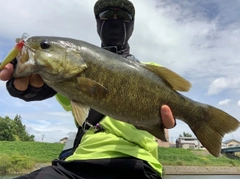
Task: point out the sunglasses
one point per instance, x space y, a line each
120 14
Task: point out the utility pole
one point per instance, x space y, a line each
43 136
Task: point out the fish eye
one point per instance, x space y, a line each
45 44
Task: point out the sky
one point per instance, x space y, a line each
198 39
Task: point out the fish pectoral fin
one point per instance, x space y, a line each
91 88
173 79
74 64
80 112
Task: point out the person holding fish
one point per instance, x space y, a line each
98 150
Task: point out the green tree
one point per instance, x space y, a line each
6 129
12 130
185 134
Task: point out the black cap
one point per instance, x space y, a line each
101 5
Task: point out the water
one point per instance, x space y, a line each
172 177
202 177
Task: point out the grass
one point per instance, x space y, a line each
40 151
189 157
22 156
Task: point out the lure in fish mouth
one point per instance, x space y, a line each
15 51
24 54
92 77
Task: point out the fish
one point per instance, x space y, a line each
132 92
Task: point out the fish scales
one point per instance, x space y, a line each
92 77
125 90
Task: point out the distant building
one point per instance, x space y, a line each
224 145
231 143
63 140
188 143
70 141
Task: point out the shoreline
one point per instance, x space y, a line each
170 170
201 170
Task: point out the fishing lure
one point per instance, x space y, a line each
14 52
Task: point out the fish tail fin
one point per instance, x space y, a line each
212 127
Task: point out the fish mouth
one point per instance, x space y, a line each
25 62
27 53
26 47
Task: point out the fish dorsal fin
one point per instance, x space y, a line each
80 112
173 79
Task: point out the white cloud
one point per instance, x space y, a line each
222 83
217 86
224 102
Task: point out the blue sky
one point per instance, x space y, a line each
197 39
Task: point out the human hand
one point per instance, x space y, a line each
167 117
6 72
22 83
